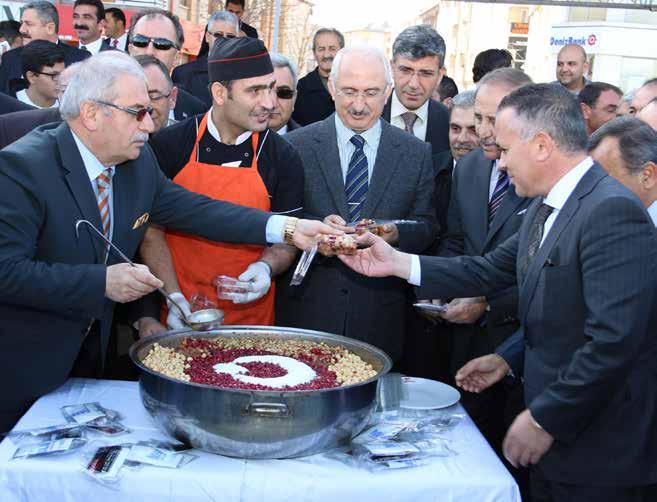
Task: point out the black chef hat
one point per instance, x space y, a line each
237 58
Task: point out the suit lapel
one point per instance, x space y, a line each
388 156
79 184
479 208
387 109
328 158
428 137
509 206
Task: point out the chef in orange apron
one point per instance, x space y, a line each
229 154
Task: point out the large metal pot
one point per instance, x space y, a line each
259 424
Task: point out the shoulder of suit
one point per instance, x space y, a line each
12 55
401 136
436 108
314 130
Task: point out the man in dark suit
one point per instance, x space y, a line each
158 33
88 20
115 29
58 284
418 55
39 21
358 166
193 76
285 73
10 105
314 103
238 7
584 262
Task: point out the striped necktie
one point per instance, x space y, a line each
409 119
498 195
103 184
356 183
115 43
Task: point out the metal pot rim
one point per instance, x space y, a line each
300 333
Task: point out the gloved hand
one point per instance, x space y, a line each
259 275
175 319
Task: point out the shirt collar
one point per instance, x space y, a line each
282 130
214 132
91 163
93 47
345 134
562 190
397 108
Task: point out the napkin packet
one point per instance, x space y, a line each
95 418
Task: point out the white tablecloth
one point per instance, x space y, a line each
474 475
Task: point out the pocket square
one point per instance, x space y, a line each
522 212
140 221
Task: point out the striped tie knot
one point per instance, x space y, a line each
103 181
409 119
358 141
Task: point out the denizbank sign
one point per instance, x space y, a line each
589 37
585 41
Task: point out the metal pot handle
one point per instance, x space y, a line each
271 410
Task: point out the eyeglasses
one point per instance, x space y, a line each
410 72
366 94
222 34
157 97
285 93
139 113
53 76
161 44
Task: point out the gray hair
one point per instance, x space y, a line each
511 78
550 109
96 80
370 51
280 61
45 11
419 42
225 17
331 31
154 14
637 141
465 99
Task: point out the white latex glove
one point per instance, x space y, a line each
258 274
174 319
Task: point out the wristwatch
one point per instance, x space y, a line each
288 230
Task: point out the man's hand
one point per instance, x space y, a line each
526 442
125 283
307 231
257 274
431 315
148 326
336 221
379 259
481 373
175 319
390 234
465 310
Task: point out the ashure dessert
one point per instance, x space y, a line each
332 245
259 363
368 225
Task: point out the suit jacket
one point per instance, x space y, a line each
11 67
10 105
443 166
332 298
188 106
52 283
314 103
193 77
14 126
249 30
437 124
468 233
588 311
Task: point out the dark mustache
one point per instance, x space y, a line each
80 27
327 60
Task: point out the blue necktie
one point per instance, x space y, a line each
498 195
355 185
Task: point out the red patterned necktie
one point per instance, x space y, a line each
409 119
115 43
103 183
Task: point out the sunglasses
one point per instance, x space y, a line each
161 44
221 34
139 113
285 93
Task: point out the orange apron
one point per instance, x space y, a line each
198 261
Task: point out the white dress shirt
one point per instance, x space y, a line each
346 148
494 174
282 130
93 47
652 211
121 44
24 98
420 125
556 199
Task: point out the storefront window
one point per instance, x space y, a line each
635 71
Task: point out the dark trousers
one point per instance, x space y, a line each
544 490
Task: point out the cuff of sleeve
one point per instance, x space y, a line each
274 229
415 277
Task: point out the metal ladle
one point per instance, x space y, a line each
201 320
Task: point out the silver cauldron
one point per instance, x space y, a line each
259 424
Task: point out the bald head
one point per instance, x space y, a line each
649 114
572 65
644 95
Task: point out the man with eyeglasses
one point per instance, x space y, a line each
193 76
161 90
285 73
228 154
43 62
158 33
58 283
39 21
418 56
359 166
